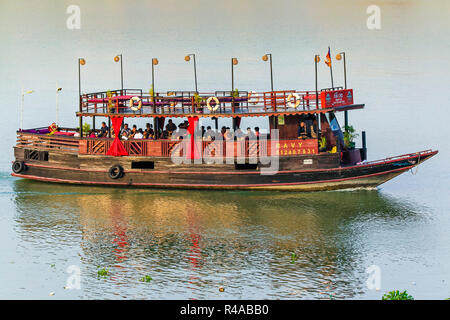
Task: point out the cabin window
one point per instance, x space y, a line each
246 166
142 165
36 155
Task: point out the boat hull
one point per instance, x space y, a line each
78 171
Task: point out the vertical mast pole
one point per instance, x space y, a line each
195 74
57 120
79 98
21 111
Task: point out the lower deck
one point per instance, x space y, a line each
305 173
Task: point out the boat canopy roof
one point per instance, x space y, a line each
136 103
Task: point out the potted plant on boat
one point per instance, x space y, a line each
198 103
351 155
322 144
349 137
86 129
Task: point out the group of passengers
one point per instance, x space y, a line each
171 132
226 134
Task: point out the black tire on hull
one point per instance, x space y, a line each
115 172
18 166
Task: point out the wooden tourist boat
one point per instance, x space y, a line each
57 155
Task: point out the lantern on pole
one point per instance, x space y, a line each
268 56
117 59
155 122
316 61
340 56
58 89
22 104
187 59
81 62
234 61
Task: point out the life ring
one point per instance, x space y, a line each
132 100
297 100
18 166
208 101
250 94
115 171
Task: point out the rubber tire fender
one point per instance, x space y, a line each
115 172
18 166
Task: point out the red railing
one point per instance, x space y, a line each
235 149
178 103
165 148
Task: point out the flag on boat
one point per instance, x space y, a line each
328 58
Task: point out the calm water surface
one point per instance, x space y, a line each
192 243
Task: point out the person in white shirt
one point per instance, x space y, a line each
77 133
139 134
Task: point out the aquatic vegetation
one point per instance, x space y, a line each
103 272
397 295
146 278
293 257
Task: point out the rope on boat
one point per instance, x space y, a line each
417 166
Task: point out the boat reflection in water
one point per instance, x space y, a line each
191 242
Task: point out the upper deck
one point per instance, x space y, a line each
136 103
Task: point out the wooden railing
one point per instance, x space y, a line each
236 149
48 142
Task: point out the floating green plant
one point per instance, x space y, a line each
397 295
103 272
293 257
146 278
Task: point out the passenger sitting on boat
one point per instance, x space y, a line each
77 132
124 135
228 135
239 134
92 134
257 134
183 125
164 135
313 129
250 135
148 133
207 136
301 133
126 130
171 127
139 134
103 131
201 131
133 131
